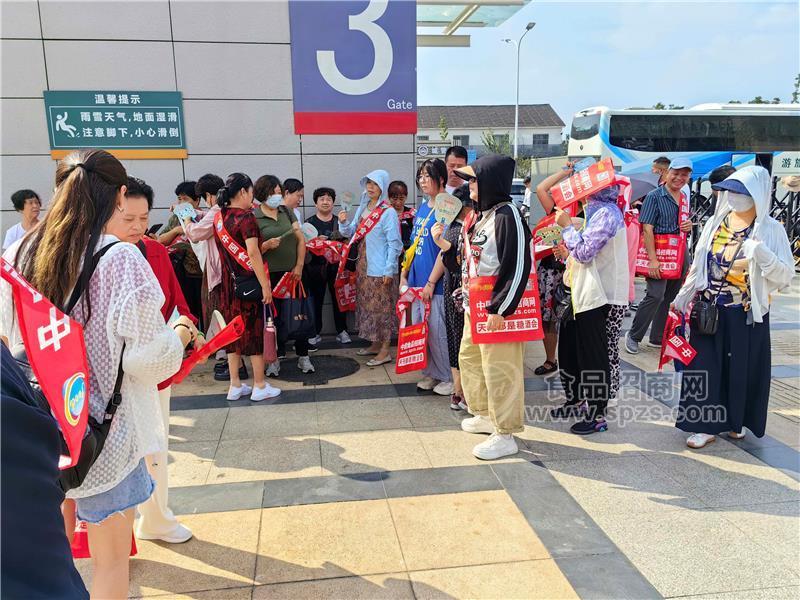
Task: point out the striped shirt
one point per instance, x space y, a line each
660 210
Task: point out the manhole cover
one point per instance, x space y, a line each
327 368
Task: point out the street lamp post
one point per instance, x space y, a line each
528 27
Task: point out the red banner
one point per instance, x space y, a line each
345 287
328 249
584 183
674 344
412 340
283 289
57 354
670 249
525 325
229 334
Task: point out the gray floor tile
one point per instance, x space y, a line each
780 457
321 490
216 498
606 576
444 480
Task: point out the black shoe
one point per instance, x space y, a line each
569 409
589 426
223 374
312 348
243 372
221 365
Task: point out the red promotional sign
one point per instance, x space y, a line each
674 344
525 325
584 183
57 354
283 289
80 542
229 334
412 340
328 249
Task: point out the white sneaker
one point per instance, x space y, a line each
315 340
267 391
650 344
478 424
699 440
445 388
304 364
497 445
344 338
178 535
234 393
427 383
273 369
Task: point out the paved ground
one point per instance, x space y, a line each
362 488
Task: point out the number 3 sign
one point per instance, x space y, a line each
354 66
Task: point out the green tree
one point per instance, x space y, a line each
444 132
496 144
659 106
796 92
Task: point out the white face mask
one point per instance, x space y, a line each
739 202
274 201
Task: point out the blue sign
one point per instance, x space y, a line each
354 66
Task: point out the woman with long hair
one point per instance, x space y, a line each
120 311
237 221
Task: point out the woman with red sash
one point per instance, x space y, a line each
377 228
241 259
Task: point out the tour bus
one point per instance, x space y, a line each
709 134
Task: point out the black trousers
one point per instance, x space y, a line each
319 278
300 346
583 359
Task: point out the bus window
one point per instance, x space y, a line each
584 128
698 133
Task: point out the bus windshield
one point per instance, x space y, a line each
586 127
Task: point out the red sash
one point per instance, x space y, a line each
670 249
408 214
412 340
237 252
524 325
674 344
56 352
345 281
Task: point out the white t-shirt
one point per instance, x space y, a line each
13 234
526 200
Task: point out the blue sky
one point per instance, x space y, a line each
622 54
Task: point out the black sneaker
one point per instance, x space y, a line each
221 365
589 426
566 410
243 372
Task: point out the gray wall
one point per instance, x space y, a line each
231 61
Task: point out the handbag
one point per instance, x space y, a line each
298 316
247 288
562 303
270 337
704 316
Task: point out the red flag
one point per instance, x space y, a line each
57 354
329 249
584 183
283 289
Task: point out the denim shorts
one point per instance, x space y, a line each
131 491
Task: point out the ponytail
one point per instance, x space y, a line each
223 197
235 183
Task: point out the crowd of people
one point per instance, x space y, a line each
152 292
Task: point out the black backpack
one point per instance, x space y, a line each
96 433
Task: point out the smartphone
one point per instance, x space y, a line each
154 229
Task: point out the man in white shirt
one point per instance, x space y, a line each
454 158
526 200
28 204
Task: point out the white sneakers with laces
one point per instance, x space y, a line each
444 388
427 383
178 535
496 446
344 338
304 364
235 393
264 393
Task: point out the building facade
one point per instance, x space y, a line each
229 59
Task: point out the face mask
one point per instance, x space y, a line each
274 201
739 202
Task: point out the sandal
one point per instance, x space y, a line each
544 369
365 352
699 440
736 435
374 362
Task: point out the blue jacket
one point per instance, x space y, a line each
384 243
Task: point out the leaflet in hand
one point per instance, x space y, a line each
185 211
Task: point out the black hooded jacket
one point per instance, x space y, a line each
500 240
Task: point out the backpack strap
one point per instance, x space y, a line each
116 397
78 290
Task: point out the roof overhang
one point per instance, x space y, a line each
452 15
